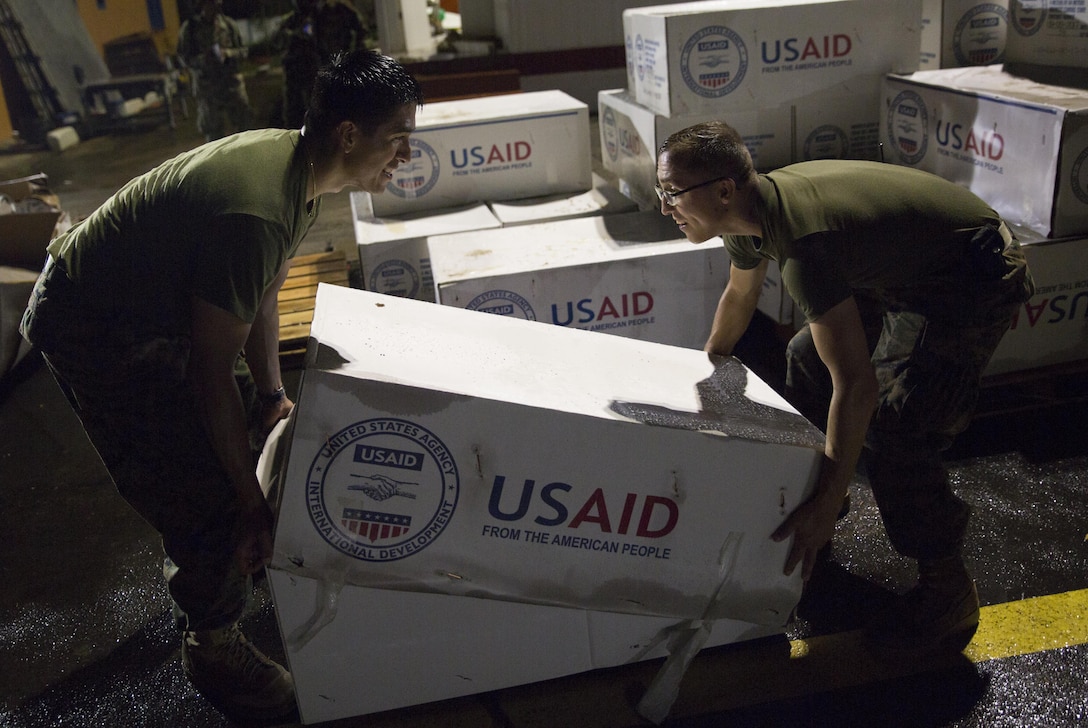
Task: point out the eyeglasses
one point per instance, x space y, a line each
669 198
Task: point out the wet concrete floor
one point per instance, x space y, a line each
86 637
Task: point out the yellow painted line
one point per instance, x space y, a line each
748 674
1031 625
1005 630
769 670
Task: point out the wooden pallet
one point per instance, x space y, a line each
297 296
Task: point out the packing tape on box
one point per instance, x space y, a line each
684 640
330 583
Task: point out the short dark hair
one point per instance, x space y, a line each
364 87
712 149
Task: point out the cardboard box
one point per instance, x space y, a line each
958 33
1048 33
820 127
394 252
632 275
1018 144
389 649
1052 327
16 285
603 199
739 55
457 490
493 148
31 222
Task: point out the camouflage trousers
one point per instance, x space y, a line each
131 395
929 370
219 101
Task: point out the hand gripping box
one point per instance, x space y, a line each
632 275
1052 327
472 502
394 252
726 56
958 33
491 148
1020 145
813 127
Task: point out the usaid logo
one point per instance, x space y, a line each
395 278
908 127
640 62
979 37
713 61
503 303
382 489
609 134
1028 16
420 175
826 142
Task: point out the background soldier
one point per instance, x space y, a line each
210 45
308 38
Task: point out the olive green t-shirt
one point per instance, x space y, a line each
838 226
217 222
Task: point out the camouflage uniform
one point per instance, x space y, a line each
937 278
212 49
111 314
928 370
163 466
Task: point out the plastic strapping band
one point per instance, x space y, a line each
326 601
685 639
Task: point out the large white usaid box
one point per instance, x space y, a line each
394 252
1048 33
501 147
820 126
604 199
1052 327
1020 145
459 491
632 275
732 55
959 33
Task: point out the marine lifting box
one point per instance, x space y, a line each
491 148
633 275
1020 145
725 56
470 502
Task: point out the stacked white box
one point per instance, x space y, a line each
819 128
633 275
730 55
958 33
1048 33
1019 145
1052 327
502 147
603 199
411 475
394 253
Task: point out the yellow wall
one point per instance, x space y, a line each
125 17
6 132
